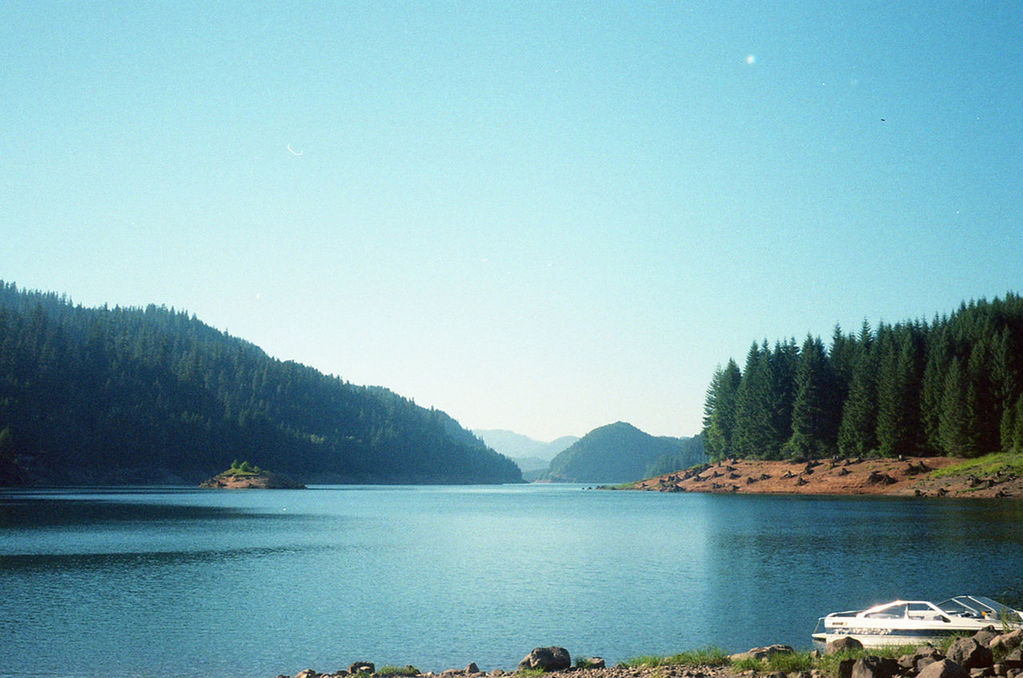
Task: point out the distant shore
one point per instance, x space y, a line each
911 476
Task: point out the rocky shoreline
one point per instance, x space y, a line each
987 654
896 477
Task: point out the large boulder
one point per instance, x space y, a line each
547 659
843 644
985 636
921 657
874 667
762 653
944 668
845 667
1007 641
970 654
361 667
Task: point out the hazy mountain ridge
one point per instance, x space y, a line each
154 395
619 453
533 457
518 446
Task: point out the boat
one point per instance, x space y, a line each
914 622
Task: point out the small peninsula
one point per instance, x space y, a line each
243 476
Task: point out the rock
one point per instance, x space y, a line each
362 667
985 636
843 644
762 653
1007 641
925 655
874 667
546 659
472 668
970 654
306 673
845 668
594 663
944 668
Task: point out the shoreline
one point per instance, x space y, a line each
904 477
987 653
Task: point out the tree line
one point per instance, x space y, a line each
142 395
953 386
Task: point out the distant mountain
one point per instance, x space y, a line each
619 453
131 395
532 456
516 445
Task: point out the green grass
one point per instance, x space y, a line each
389 670
780 662
989 464
709 656
784 662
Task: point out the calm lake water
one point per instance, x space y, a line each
181 582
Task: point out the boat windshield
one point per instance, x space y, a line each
980 607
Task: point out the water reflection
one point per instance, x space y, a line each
32 512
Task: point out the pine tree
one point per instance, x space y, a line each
813 412
754 437
985 415
955 428
899 430
857 432
782 368
842 355
932 390
720 411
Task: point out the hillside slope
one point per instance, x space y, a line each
130 395
619 453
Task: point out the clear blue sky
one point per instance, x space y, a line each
543 217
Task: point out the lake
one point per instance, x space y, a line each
182 582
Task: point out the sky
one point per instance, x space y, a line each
536 216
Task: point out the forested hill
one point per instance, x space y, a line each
953 386
619 453
129 395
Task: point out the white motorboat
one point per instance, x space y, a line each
909 622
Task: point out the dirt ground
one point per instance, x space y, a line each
897 477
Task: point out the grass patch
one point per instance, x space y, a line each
785 662
780 662
989 464
709 656
620 486
408 670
